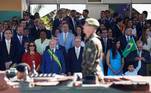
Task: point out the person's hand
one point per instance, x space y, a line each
142 58
137 58
7 64
114 72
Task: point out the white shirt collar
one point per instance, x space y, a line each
77 48
7 41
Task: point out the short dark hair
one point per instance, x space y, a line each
86 10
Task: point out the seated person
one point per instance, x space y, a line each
133 71
32 56
52 59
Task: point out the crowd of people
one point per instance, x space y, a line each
60 50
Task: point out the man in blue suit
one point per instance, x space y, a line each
53 59
8 50
66 38
75 56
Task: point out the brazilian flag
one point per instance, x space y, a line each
131 46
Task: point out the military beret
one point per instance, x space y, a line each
92 22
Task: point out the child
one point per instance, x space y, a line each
133 71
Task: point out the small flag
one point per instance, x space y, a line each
131 46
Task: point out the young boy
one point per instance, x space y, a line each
133 71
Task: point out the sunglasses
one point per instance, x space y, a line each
31 45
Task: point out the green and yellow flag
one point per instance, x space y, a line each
131 46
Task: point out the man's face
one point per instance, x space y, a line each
21 75
77 42
78 30
104 33
73 13
53 43
65 27
23 23
87 29
8 34
139 45
20 30
129 32
85 14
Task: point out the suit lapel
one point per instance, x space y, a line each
75 54
5 47
11 47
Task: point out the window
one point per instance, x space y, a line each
143 7
77 7
42 9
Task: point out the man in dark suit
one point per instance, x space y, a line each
140 55
116 28
85 14
72 21
140 26
20 39
8 50
59 19
34 30
106 44
75 56
126 37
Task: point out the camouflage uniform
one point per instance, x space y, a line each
91 56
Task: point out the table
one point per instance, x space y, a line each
65 88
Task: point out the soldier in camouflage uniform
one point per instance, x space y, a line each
92 51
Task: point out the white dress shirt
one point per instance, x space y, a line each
20 38
8 43
77 51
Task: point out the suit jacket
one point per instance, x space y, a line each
71 24
109 45
21 48
139 29
74 63
34 32
49 65
69 41
12 56
65 55
116 31
57 22
131 58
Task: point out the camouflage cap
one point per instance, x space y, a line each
92 22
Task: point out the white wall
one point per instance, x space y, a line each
95 9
